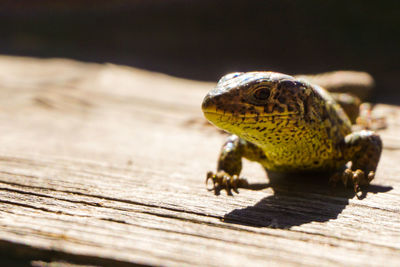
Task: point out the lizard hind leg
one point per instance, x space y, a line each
364 149
360 114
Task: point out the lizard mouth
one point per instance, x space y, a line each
220 118
249 115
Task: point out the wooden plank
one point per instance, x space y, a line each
105 164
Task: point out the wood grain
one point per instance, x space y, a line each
105 165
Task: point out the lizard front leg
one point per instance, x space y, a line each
230 164
364 149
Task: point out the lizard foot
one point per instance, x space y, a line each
224 180
357 178
366 120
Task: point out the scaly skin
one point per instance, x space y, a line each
288 125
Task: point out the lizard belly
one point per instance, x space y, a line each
308 153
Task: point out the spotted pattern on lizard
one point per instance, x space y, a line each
287 125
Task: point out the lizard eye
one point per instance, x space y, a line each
262 93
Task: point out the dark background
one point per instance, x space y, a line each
205 39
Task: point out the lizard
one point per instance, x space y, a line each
288 125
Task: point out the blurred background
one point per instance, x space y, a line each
205 39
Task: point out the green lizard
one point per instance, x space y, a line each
288 125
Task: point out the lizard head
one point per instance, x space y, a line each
254 103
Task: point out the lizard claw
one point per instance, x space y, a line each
222 179
357 178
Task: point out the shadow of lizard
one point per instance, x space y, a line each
298 199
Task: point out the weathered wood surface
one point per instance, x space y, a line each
105 165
